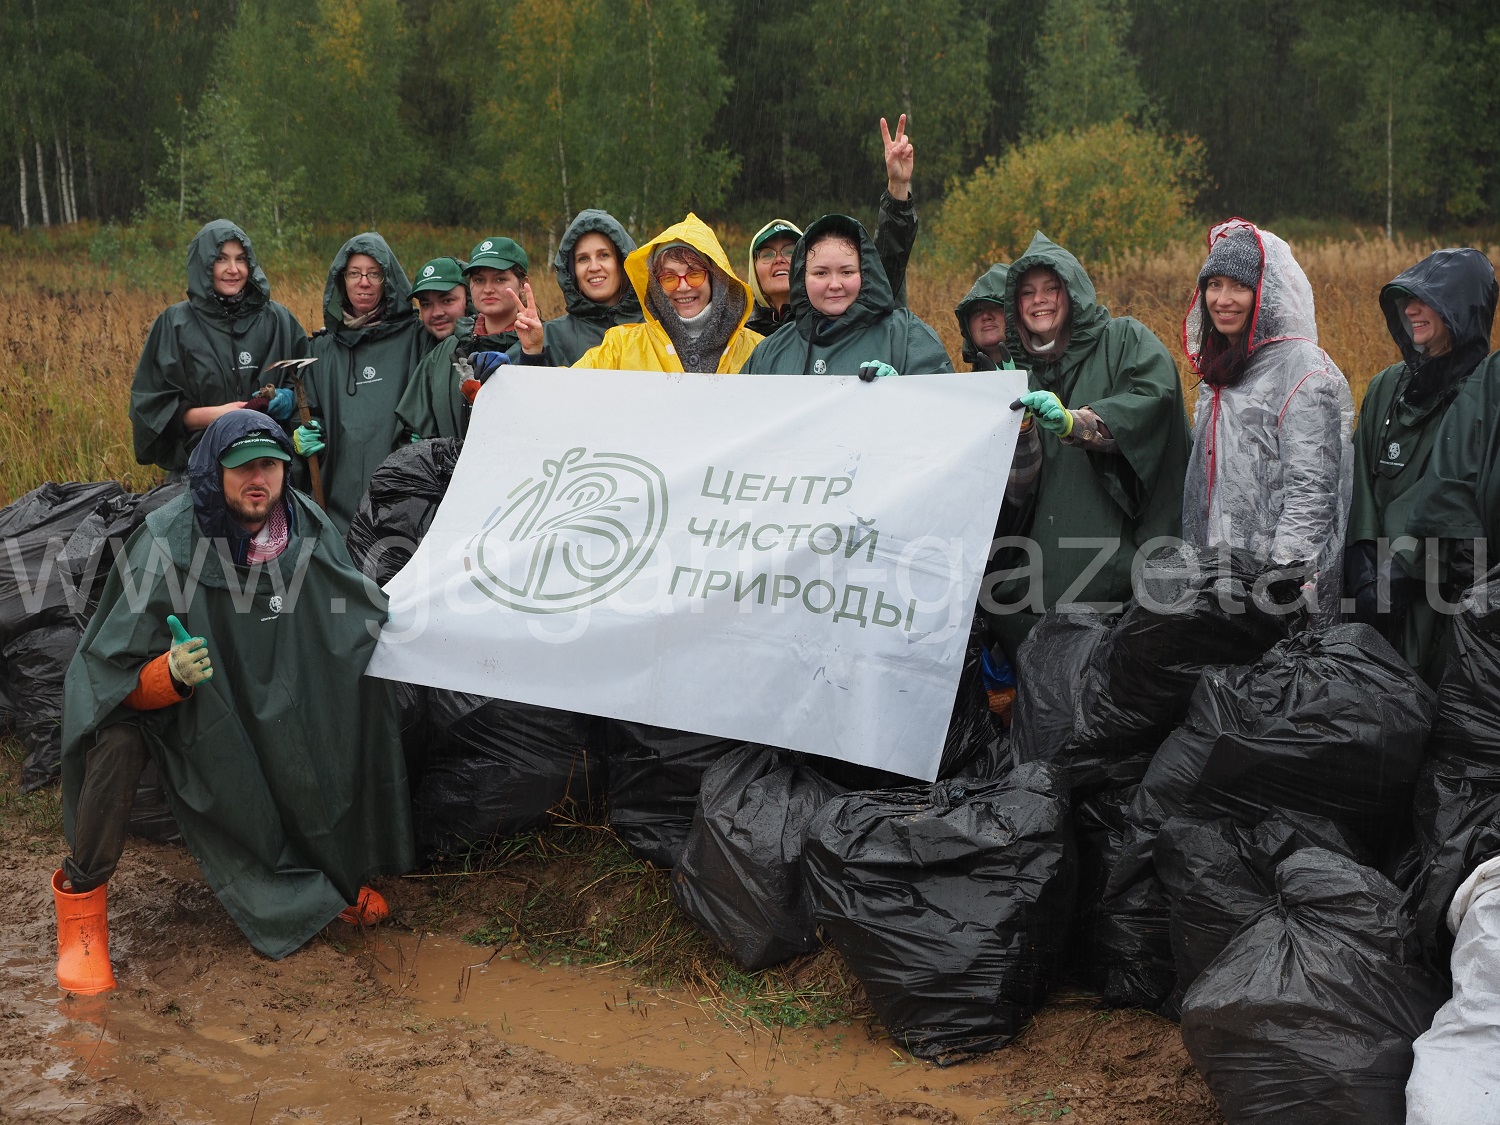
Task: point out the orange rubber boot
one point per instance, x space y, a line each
82 939
370 908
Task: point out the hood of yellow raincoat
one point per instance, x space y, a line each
697 234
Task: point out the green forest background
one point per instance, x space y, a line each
294 115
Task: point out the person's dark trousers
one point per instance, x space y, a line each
111 772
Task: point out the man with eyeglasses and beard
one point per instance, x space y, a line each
369 346
234 659
770 265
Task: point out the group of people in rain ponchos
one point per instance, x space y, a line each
1390 520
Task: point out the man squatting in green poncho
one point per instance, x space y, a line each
280 759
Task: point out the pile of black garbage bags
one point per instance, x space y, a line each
57 547
1209 806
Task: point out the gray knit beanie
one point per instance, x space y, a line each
1236 256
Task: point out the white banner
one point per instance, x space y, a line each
785 560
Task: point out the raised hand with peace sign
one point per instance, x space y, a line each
900 158
528 324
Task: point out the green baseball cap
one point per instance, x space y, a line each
440 275
774 228
498 254
250 447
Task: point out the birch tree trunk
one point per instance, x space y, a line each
62 179
88 172
41 184
25 211
72 178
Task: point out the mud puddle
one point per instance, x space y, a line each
597 1018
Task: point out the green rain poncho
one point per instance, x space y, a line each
873 327
989 289
360 376
205 351
1425 447
586 321
284 771
1109 504
432 406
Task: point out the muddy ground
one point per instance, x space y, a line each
408 1023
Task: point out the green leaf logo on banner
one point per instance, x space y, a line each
573 535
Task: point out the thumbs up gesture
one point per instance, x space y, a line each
188 659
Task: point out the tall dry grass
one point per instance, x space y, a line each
71 331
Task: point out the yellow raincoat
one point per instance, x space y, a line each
647 347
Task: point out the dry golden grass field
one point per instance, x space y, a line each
72 327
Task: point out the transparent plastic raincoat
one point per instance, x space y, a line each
1272 464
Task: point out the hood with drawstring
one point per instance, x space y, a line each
1272 463
873 327
1458 285
207 350
584 324
989 289
206 478
1115 366
649 346
360 376
1424 450
397 310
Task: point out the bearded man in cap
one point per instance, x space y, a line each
229 648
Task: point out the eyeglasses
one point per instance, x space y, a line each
767 254
374 276
670 281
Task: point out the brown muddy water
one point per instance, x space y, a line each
394 1026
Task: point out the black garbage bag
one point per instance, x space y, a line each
418 735
151 815
92 548
1457 803
654 777
740 874
1308 1015
1462 832
1328 723
1218 874
1120 950
951 903
35 665
1051 666
398 507
35 589
1104 693
498 769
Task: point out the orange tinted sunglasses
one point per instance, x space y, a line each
671 281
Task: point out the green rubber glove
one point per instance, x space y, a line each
308 439
1050 413
872 369
188 658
